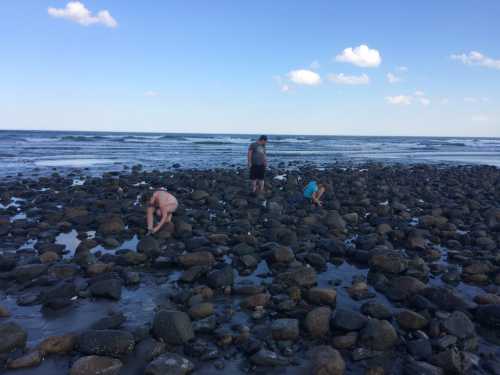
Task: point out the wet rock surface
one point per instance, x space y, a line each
398 272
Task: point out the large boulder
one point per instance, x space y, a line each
174 327
300 276
111 225
199 258
96 365
12 336
348 320
220 278
149 246
448 299
107 342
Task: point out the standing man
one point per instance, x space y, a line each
257 162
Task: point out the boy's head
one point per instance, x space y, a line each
262 139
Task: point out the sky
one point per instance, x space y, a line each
277 67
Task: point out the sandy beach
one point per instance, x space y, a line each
398 272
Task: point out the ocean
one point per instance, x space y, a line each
43 152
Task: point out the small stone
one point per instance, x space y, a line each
12 336
58 344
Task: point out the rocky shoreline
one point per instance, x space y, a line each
399 272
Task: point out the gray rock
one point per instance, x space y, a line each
489 315
459 325
420 368
221 277
28 272
448 299
266 357
169 364
149 246
326 361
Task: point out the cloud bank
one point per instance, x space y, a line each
304 77
399 100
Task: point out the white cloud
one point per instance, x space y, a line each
470 99
77 12
343 79
425 101
399 100
360 56
480 118
151 94
315 65
402 68
419 93
285 88
393 78
477 58
304 77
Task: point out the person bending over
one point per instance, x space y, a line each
313 192
164 205
257 162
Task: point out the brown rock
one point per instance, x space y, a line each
96 365
317 321
31 359
58 344
49 257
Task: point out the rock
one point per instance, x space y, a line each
98 268
59 295
221 277
106 342
256 300
198 195
421 368
283 254
403 287
458 324
28 360
199 258
112 225
58 344
449 360
111 288
378 335
174 327
148 349
49 257
96 365
389 263
348 320
326 361
201 310
410 320
489 315
322 296
113 321
12 336
301 276
347 341
317 321
487 299
7 263
28 272
448 299
376 310
266 357
420 349
149 246
4 313
169 364
285 329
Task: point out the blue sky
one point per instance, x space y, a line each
252 66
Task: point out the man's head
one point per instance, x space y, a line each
262 139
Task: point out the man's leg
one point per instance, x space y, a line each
261 186
149 217
254 186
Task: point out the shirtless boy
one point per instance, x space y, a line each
165 205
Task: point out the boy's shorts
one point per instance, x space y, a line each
257 172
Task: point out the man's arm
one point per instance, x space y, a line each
250 153
164 217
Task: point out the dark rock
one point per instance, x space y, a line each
29 272
107 342
300 276
378 335
285 329
12 336
326 361
376 310
111 288
448 299
410 320
459 325
149 246
420 349
349 320
489 315
174 327
221 277
317 321
266 357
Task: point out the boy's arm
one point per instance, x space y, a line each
164 216
250 153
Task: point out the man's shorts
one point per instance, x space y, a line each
257 172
